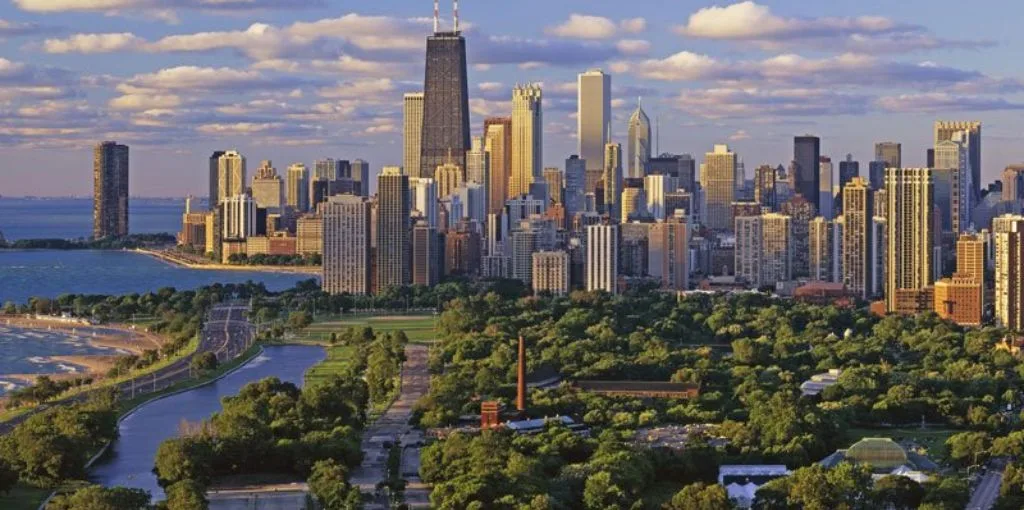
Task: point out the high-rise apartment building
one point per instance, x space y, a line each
309 234
267 188
412 133
655 189
1008 242
445 101
593 117
498 144
848 169
952 162
448 177
948 130
478 163
393 250
632 201
718 178
825 197
820 244
763 254
556 184
911 240
801 212
110 190
765 177
889 152
297 194
551 273
527 138
962 297
230 175
1013 183
239 217
530 235
602 265
361 176
669 251
807 168
424 199
858 214
639 143
346 245
426 255
612 177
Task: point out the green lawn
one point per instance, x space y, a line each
933 440
24 497
419 328
338 357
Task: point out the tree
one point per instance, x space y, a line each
898 492
698 496
299 320
184 458
96 497
204 361
600 493
187 495
329 485
10 308
969 448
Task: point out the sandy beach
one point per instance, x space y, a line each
181 262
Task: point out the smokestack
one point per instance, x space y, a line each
521 373
437 17
456 29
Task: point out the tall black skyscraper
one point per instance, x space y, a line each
807 161
110 190
445 100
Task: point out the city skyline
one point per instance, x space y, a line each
268 88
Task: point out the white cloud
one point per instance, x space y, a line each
191 78
581 26
633 25
684 65
941 102
633 47
753 102
17 28
740 134
94 43
145 102
361 89
160 7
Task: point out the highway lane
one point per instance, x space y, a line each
226 333
985 493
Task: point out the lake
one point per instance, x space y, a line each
71 218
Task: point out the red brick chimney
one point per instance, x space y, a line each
521 382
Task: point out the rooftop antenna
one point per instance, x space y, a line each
456 29
437 17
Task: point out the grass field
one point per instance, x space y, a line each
933 440
338 357
419 328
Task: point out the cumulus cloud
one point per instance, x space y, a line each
16 28
581 26
633 47
192 78
145 102
749 21
726 102
357 89
633 25
93 43
738 135
943 102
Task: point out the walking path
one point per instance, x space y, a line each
392 426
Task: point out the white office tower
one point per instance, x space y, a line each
231 175
639 143
346 248
593 117
602 264
239 221
655 187
424 199
412 127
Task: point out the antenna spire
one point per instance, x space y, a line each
437 17
456 29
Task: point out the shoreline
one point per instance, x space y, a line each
175 261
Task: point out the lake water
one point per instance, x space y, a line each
27 351
71 218
50 273
129 461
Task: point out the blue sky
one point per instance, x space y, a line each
297 80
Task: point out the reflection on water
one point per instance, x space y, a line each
129 461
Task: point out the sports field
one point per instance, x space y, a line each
338 357
419 328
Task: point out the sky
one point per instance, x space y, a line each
298 80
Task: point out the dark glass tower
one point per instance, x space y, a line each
110 190
807 158
445 103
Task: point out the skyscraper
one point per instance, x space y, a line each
551 272
527 138
911 238
361 175
424 199
478 165
639 143
297 188
876 174
655 189
962 297
807 161
765 178
498 144
669 251
593 117
764 252
230 175
858 213
825 206
718 178
110 190
445 100
393 250
555 181
266 186
612 177
946 130
889 152
848 169
820 241
239 217
426 255
575 183
801 212
951 174
214 179
412 133
448 177
346 245
1008 241
602 258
